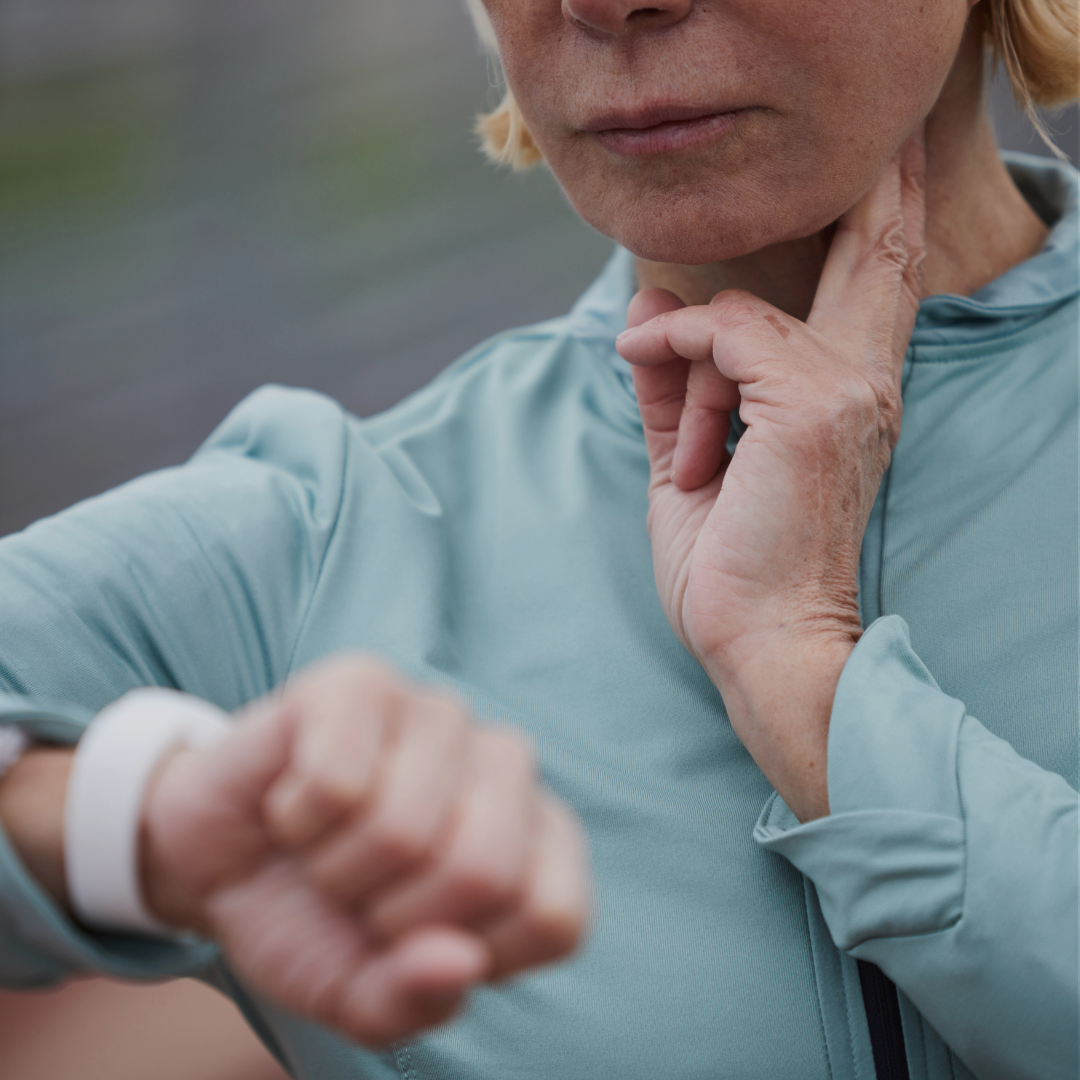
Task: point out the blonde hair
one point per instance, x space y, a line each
1034 40
504 138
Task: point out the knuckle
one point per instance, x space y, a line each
397 843
866 399
482 885
445 710
732 298
666 318
890 405
842 413
372 675
891 248
917 265
324 792
553 932
361 672
511 749
735 308
368 1031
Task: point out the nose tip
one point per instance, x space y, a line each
614 17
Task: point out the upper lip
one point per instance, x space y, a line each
651 116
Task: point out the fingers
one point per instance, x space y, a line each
684 333
409 810
660 388
420 980
427 834
552 900
871 282
684 398
649 303
860 282
913 208
733 333
339 714
457 833
551 916
480 868
701 449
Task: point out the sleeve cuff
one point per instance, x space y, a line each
889 861
40 944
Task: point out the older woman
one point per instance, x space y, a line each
811 859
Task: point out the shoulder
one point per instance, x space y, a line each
272 469
536 383
298 432
529 374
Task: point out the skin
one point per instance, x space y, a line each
364 849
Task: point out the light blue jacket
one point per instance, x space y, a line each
489 534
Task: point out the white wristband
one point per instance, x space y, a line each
113 764
13 744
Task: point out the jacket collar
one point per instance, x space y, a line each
1020 297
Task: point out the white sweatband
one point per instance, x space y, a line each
13 744
114 761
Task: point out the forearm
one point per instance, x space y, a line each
32 814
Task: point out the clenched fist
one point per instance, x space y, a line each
365 851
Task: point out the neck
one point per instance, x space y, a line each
978 224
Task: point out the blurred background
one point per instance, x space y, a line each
201 196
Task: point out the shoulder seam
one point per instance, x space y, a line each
317 578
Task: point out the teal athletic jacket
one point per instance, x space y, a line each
488 534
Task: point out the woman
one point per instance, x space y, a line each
791 178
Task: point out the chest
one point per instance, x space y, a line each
973 541
535 600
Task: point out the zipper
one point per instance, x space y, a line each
879 994
883 1018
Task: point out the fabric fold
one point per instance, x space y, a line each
948 860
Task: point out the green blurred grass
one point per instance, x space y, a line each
85 146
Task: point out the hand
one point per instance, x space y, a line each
365 852
756 555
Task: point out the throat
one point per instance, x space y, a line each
785 275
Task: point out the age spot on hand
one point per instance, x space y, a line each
778 326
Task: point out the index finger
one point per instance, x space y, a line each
872 279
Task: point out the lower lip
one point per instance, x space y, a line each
667 138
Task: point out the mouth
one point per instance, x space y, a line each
665 130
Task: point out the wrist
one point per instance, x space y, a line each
749 660
167 895
119 758
778 688
32 797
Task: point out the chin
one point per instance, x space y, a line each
688 244
694 227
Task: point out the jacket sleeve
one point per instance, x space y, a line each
949 861
196 578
